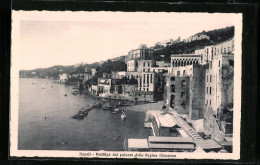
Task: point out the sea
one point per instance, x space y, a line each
100 130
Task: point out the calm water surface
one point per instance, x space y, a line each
100 130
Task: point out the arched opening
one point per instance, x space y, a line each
172 88
183 84
182 95
172 101
172 78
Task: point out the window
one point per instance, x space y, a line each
178 73
151 78
209 102
183 84
172 88
144 79
147 89
207 78
219 63
147 78
209 90
210 78
143 70
172 78
172 101
144 64
148 63
148 70
224 50
231 63
182 95
183 72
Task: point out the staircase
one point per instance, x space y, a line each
187 128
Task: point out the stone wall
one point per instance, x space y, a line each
197 88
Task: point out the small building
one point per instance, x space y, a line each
63 77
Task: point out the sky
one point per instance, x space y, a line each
67 38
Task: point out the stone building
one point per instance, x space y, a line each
142 53
178 60
185 92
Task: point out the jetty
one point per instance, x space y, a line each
83 112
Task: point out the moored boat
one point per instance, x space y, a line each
107 108
116 110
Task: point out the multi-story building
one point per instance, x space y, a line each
148 81
145 65
131 75
185 90
142 53
208 52
180 60
132 65
89 73
219 82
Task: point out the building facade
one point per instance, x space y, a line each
132 65
145 65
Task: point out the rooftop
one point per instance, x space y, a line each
207 144
185 55
166 120
137 143
163 139
171 146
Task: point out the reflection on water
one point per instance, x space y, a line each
100 130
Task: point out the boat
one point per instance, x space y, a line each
107 108
75 92
123 115
116 110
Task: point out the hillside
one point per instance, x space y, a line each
216 36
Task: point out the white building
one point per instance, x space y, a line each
132 66
148 81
